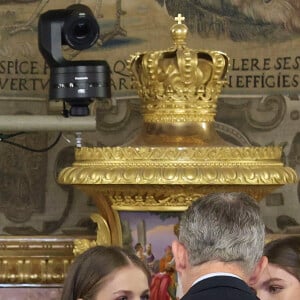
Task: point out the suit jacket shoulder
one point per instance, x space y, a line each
220 288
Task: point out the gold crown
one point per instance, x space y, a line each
179 84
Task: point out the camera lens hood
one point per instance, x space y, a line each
80 30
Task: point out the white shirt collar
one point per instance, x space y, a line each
213 275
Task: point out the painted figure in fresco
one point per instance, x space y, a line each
160 288
239 19
281 278
149 256
166 259
162 285
219 251
167 264
107 273
139 252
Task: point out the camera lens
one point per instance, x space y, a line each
80 31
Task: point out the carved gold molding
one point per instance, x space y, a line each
165 197
170 178
181 165
104 236
107 155
45 260
35 260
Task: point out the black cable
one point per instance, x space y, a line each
7 136
30 149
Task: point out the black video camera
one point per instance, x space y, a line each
76 82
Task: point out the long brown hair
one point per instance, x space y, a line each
86 274
285 253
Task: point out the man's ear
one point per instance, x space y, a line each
260 267
180 255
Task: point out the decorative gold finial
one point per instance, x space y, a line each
179 18
179 31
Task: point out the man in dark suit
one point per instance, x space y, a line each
219 249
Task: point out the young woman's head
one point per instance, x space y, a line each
281 278
109 273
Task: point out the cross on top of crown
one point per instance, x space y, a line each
179 18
